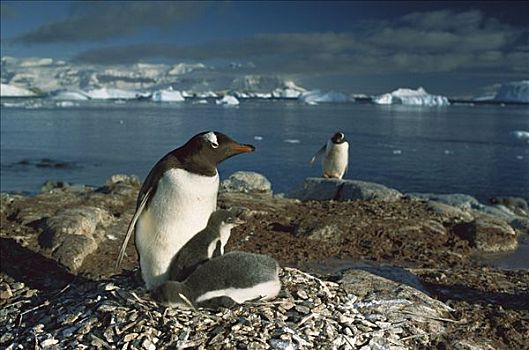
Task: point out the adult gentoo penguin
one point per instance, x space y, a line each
176 200
205 245
226 280
335 156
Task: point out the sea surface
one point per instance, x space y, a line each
456 149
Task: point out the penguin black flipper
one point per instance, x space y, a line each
132 224
318 154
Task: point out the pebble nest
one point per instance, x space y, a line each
118 314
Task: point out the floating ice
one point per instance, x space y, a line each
70 95
7 90
258 138
521 135
316 96
291 141
228 100
113 94
397 151
168 95
516 91
411 97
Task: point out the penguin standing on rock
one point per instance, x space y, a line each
176 201
224 281
335 156
205 245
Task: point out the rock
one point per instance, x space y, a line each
488 234
394 300
342 190
77 221
458 200
122 178
5 291
5 201
520 223
517 205
449 213
246 182
73 250
329 233
51 185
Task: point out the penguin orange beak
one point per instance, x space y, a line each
239 148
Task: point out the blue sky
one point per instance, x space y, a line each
352 46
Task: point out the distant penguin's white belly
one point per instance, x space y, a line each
180 209
335 160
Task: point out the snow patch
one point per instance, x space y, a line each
7 90
516 91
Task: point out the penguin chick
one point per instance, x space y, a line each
224 281
204 245
335 156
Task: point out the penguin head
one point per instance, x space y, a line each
339 137
171 293
224 218
212 147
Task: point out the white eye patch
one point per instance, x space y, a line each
212 139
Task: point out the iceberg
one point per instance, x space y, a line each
228 100
521 135
411 97
168 95
206 94
516 91
314 97
7 90
113 94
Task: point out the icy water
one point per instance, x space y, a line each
457 149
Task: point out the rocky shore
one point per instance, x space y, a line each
364 267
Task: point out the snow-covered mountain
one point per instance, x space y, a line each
46 75
411 97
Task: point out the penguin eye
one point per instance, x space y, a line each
229 220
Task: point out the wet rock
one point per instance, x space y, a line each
517 205
342 190
488 234
450 213
73 250
458 200
246 182
51 185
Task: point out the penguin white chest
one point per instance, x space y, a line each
336 159
179 209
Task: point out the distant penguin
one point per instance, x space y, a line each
176 200
205 245
335 156
226 280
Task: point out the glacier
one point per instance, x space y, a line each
411 97
113 94
7 90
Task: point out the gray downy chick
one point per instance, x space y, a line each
205 245
224 281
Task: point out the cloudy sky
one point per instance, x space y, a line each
371 47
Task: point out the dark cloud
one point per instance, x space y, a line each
95 21
440 41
